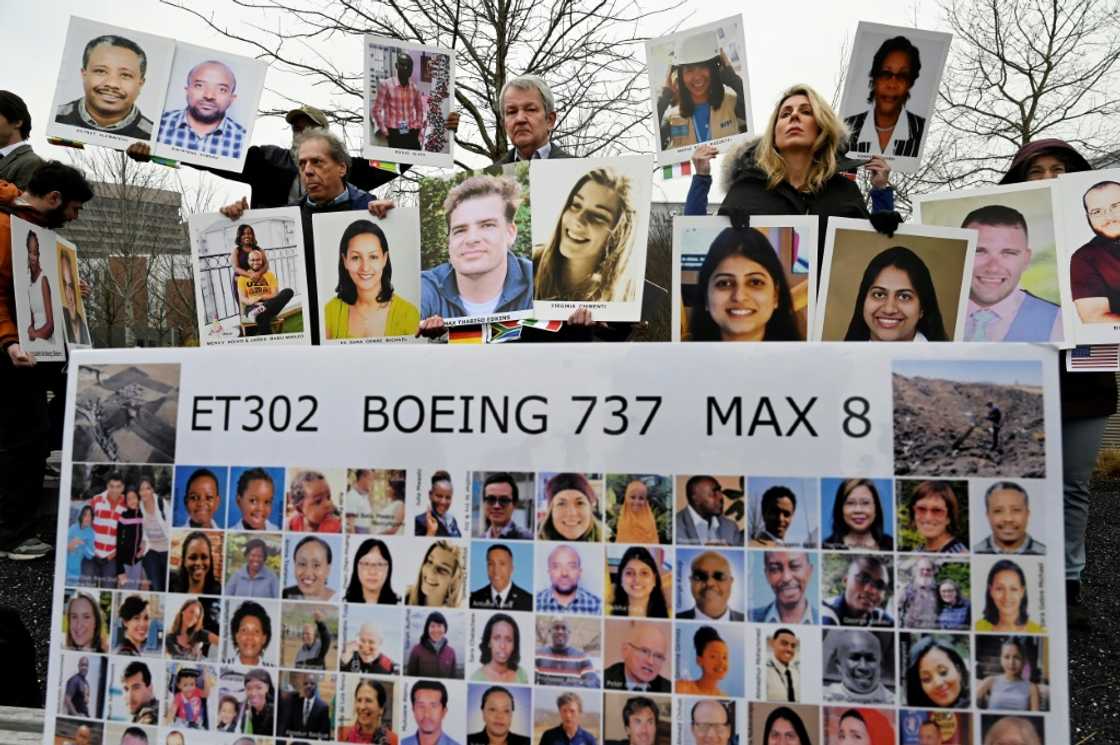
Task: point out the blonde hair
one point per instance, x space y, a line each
415 595
833 132
608 282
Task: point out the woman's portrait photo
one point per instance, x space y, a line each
38 305
937 674
909 287
590 224
252 633
639 508
368 709
436 643
372 640
569 506
698 88
845 725
498 657
370 287
740 285
254 564
997 729
370 570
934 594
889 92
196 562
932 516
313 568
194 632
85 620
1012 673
249 276
1013 594
858 514
707 660
788 724
137 621
74 321
440 578
640 581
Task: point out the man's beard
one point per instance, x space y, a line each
55 218
207 118
403 77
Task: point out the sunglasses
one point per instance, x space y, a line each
491 500
699 575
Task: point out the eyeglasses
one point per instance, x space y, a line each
931 511
1099 212
867 580
699 575
707 728
373 565
648 653
491 500
902 76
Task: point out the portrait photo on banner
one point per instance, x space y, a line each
111 85
368 270
408 92
590 225
1013 291
249 277
889 92
476 246
1088 208
912 286
699 88
750 285
75 322
210 107
38 299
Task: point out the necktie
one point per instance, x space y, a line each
498 601
789 687
640 688
981 320
306 711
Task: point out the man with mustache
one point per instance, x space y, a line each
998 308
113 70
644 653
710 579
398 109
564 594
865 589
1094 269
203 126
1008 509
788 574
858 657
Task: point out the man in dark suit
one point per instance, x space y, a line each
529 114
17 160
701 521
305 715
497 717
644 652
501 593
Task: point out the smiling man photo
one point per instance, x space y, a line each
113 71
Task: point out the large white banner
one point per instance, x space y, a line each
719 542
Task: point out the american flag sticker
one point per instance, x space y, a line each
1094 357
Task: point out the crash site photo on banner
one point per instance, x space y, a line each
537 558
889 92
699 90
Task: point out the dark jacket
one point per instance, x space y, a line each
425 662
481 738
18 165
1084 394
556 153
271 171
615 677
290 722
903 148
745 184
356 199
517 599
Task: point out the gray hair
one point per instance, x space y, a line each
1006 486
525 83
334 144
303 478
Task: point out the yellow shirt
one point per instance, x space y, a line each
257 289
1032 627
403 320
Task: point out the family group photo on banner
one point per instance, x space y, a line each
836 544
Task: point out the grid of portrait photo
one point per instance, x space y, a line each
263 603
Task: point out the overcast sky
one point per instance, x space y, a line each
788 42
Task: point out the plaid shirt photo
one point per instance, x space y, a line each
584 602
225 141
396 103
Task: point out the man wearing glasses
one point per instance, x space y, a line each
710 582
501 593
864 597
644 652
711 723
500 500
1094 269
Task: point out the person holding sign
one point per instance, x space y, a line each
887 128
708 94
203 125
113 70
365 305
896 301
261 299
